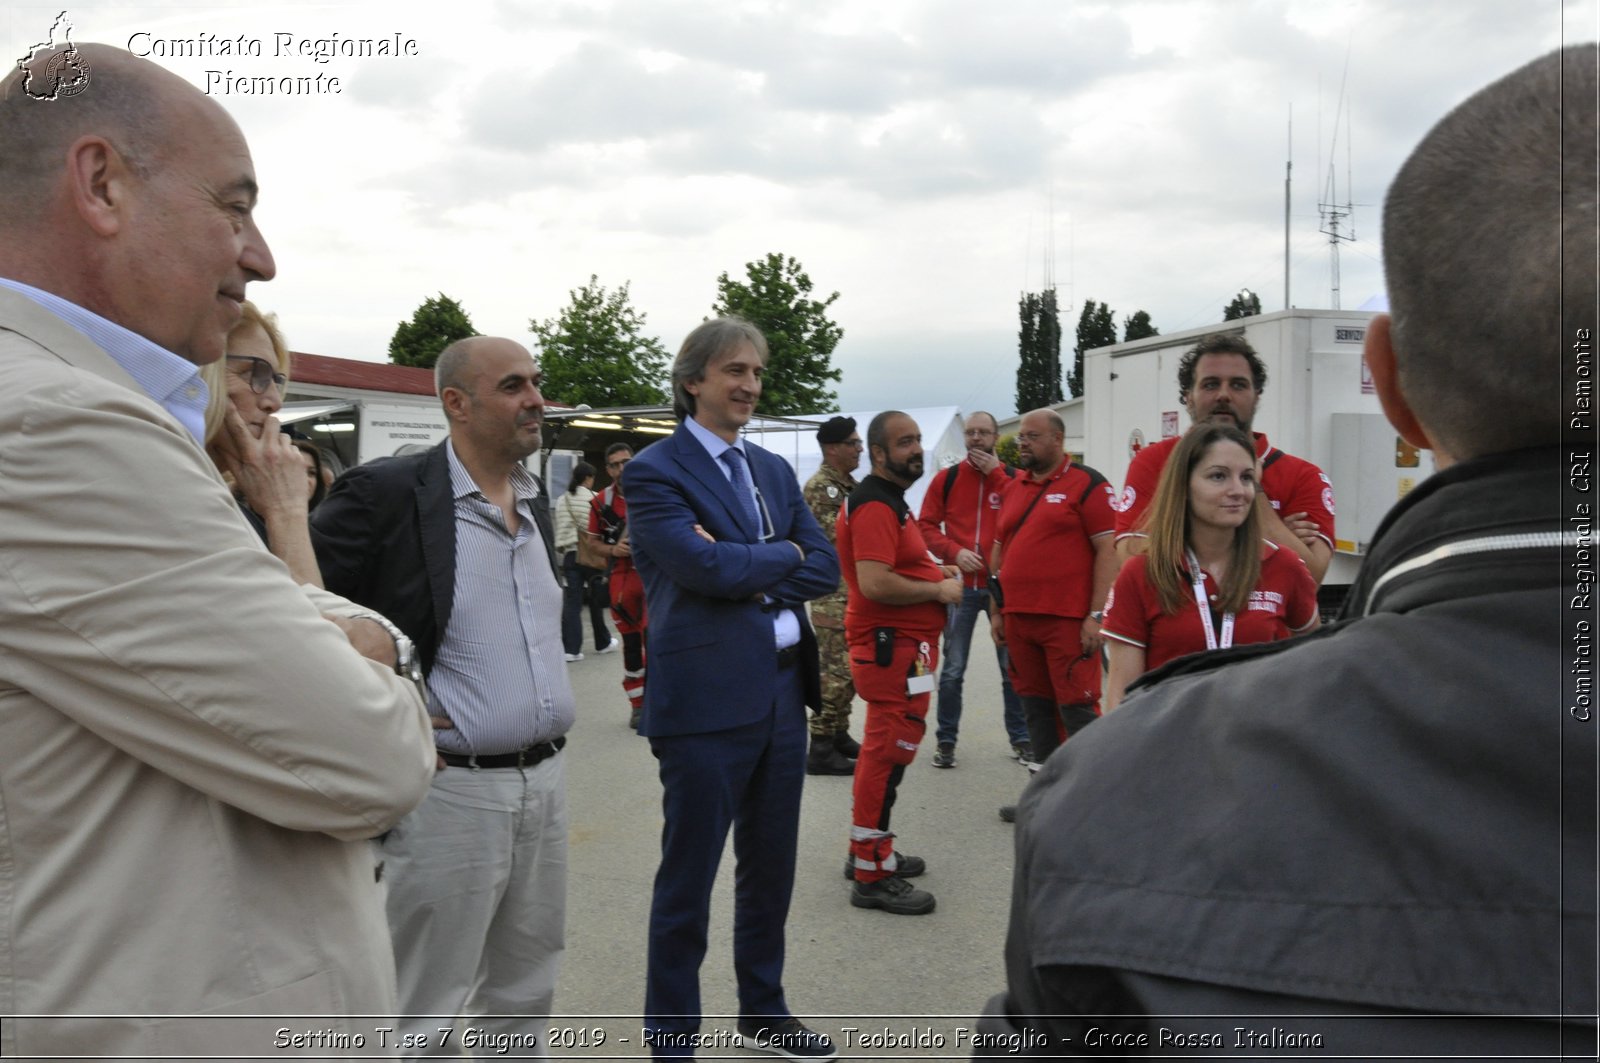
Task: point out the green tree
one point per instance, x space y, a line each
1005 448
594 351
1038 351
436 324
776 298
1097 327
1246 304
1137 326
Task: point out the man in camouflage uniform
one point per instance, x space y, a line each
833 751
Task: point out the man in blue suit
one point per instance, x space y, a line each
729 554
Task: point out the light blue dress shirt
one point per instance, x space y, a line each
172 382
785 625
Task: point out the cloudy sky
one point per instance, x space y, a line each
928 159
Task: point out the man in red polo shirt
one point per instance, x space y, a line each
1221 379
896 610
1056 560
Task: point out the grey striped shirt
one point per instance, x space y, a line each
500 674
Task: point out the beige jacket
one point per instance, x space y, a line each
191 758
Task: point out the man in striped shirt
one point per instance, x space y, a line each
455 546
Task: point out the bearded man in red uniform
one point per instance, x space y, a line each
1221 379
898 595
1056 560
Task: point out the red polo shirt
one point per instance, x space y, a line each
1284 603
1047 558
1291 484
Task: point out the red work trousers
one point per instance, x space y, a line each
896 724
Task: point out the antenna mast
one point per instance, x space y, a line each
1334 213
1288 175
1048 297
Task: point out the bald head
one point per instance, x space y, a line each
489 388
126 100
131 194
459 364
1041 438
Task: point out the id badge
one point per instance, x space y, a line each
920 681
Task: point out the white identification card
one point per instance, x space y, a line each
919 684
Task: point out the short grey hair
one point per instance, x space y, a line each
1489 256
450 370
708 340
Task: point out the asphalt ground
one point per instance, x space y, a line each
907 984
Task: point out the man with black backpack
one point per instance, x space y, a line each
958 518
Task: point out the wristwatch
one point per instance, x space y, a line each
1098 616
406 663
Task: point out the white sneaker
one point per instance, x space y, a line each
611 647
574 657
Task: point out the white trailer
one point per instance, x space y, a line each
1319 404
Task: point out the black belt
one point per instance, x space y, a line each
789 656
522 758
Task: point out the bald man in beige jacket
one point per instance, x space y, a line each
191 755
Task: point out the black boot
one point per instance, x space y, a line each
1075 718
846 745
1041 716
825 758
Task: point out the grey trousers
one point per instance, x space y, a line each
477 902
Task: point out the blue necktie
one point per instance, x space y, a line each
734 458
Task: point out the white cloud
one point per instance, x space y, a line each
908 152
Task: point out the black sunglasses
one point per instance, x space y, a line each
262 375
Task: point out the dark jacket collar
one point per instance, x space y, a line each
1510 497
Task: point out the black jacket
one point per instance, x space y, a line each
386 538
1390 819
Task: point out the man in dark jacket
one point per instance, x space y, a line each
454 545
1380 839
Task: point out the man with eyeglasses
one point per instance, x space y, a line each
957 520
608 526
833 751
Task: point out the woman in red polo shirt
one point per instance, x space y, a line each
1208 579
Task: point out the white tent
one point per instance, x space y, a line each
943 443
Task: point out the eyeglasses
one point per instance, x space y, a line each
619 463
262 375
768 532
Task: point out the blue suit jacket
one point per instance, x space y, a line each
713 665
